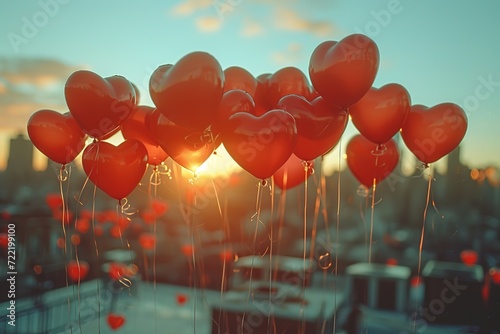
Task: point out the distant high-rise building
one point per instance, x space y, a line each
20 159
20 162
453 165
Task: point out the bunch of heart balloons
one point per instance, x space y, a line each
271 125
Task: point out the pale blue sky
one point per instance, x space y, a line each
441 51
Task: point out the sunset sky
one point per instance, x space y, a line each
441 51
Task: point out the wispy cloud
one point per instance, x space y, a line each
293 54
252 28
30 84
33 71
291 20
286 16
208 24
188 7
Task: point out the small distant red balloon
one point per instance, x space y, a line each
115 321
147 241
77 270
181 298
468 257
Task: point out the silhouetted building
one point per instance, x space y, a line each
20 163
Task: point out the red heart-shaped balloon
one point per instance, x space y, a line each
468 257
260 145
370 162
57 136
116 170
381 113
156 82
236 77
137 127
181 298
77 270
342 72
292 173
319 125
125 93
54 201
432 133
115 321
97 107
147 241
495 275
190 92
187 147
159 207
116 271
288 80
232 102
260 97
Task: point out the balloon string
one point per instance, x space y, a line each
374 189
193 182
421 244
97 260
125 212
317 207
307 166
63 227
271 249
337 230
281 218
224 247
258 204
154 182
64 213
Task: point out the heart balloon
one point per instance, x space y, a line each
319 125
159 207
292 173
116 170
147 241
232 102
288 80
236 77
54 201
77 270
96 106
342 72
187 147
469 257
124 91
260 145
57 136
260 97
190 92
115 321
432 133
181 298
368 163
155 82
137 127
380 113
116 271
137 94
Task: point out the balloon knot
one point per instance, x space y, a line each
263 183
63 174
381 149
